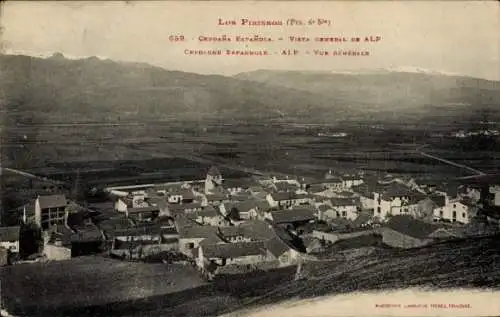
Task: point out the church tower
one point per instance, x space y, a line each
213 182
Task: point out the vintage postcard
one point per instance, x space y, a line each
250 158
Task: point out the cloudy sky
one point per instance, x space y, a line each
454 37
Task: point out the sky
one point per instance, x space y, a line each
451 37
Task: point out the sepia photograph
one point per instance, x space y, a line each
249 158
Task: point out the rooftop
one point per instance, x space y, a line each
207 212
276 246
143 209
294 215
149 229
233 250
257 229
344 201
52 201
216 197
197 231
280 196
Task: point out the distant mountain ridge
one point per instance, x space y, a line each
399 91
96 90
57 89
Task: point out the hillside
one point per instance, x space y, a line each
394 92
472 263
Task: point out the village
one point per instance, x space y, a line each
232 226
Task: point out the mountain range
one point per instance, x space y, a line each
58 89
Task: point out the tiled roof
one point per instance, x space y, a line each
9 233
280 196
263 205
52 201
241 197
276 246
197 231
343 202
246 205
304 196
467 201
216 197
207 212
288 216
116 223
233 250
228 232
316 188
180 208
150 229
257 229
143 209
345 194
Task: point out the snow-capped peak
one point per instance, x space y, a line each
420 70
400 69
48 54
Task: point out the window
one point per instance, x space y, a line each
190 245
344 214
454 205
463 215
454 214
378 209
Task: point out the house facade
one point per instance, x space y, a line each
50 211
350 181
460 211
286 200
395 200
344 208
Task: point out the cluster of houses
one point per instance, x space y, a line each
233 225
